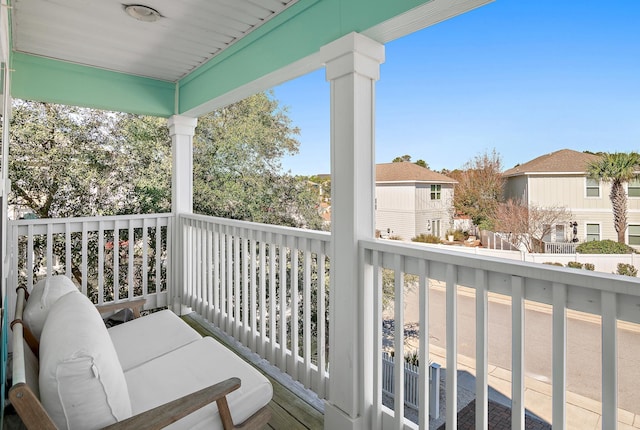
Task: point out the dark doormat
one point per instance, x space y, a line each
499 418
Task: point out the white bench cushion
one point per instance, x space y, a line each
43 295
191 368
151 336
82 385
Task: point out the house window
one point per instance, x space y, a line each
593 187
436 191
633 190
634 235
593 232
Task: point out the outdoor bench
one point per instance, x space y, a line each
71 372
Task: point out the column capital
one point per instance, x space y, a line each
179 124
353 53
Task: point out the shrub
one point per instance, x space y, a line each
589 266
412 358
426 238
458 235
575 265
604 247
394 237
553 263
627 269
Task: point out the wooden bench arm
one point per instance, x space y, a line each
171 412
135 306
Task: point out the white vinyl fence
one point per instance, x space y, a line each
412 384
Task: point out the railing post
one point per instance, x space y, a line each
352 67
181 130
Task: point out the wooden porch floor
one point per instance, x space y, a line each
288 410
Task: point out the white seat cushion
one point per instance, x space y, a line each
43 295
191 368
82 385
151 336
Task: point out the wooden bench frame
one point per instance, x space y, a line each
35 417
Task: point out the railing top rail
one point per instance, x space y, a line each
551 274
111 218
269 228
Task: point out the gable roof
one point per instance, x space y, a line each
562 161
409 172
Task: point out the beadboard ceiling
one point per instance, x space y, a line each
100 33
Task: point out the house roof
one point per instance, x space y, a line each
563 161
406 171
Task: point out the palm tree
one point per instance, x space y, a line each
617 168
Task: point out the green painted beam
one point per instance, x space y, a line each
294 34
43 79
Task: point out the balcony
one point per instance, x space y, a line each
308 303
267 289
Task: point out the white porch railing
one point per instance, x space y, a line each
264 285
560 247
267 286
608 296
492 240
111 258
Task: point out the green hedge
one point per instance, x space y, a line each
604 247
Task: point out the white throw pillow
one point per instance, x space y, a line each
44 294
82 385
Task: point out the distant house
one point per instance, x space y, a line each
560 179
411 200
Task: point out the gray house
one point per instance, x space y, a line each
411 200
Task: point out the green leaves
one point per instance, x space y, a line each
616 168
68 161
237 170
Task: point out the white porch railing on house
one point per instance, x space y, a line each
492 240
266 286
608 296
111 258
560 247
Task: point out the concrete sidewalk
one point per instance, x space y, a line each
582 413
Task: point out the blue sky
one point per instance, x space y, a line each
524 77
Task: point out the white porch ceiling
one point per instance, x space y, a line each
99 33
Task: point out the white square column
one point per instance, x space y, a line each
181 130
352 67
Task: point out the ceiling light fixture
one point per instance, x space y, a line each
142 12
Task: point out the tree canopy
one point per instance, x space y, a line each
68 161
407 159
479 188
527 225
237 169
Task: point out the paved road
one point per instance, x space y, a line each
583 345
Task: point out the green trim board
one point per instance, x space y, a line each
48 80
296 33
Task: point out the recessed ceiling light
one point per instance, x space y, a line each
142 12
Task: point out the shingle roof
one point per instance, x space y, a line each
562 161
406 171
